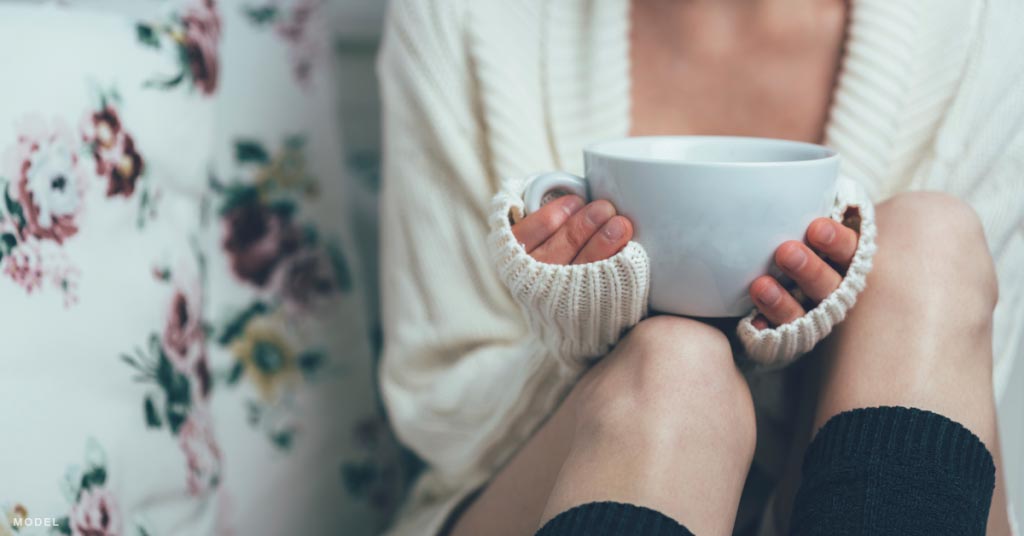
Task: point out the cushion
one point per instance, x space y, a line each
185 341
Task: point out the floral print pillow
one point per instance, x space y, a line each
185 348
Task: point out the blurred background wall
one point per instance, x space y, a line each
357 27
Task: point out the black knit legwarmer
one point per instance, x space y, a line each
875 471
894 471
612 519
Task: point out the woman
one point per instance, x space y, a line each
479 92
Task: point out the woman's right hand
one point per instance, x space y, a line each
568 231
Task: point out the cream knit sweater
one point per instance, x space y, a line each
931 96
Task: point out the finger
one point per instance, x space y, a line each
569 239
612 237
834 240
534 229
760 322
774 302
812 274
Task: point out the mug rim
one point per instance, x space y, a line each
598 149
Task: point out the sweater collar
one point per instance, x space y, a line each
900 69
902 65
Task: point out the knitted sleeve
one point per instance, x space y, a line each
458 380
578 311
780 345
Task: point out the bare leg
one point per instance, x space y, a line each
921 333
664 421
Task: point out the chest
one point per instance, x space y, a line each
772 83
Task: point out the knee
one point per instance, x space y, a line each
932 247
670 379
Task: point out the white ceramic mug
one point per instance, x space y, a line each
709 210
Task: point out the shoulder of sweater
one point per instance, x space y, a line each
440 16
425 29
442 36
423 53
447 19
989 101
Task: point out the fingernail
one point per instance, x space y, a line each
598 213
824 234
769 295
794 260
572 205
614 230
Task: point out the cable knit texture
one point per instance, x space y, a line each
929 97
780 345
579 311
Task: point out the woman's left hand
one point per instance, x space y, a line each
815 276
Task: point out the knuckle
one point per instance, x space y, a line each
785 310
784 251
788 308
578 235
551 220
793 315
576 240
848 239
814 269
574 199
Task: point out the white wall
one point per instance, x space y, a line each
357 26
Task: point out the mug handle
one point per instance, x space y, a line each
538 187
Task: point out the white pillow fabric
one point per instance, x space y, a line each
183 344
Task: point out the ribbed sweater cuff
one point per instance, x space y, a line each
612 519
779 346
577 311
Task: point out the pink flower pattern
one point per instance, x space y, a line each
113 149
201 42
256 239
202 453
183 332
48 181
295 23
44 201
24 266
305 42
46 193
95 514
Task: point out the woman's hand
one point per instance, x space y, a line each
565 231
815 277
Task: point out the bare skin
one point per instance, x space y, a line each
730 66
611 440
667 405
727 56
905 362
